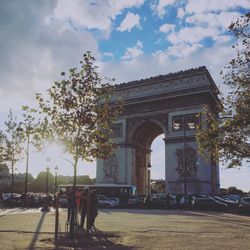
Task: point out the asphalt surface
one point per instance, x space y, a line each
127 229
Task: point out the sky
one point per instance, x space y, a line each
130 39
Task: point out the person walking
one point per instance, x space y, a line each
84 206
93 211
167 201
71 200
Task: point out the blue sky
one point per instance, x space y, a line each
131 39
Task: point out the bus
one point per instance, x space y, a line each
124 194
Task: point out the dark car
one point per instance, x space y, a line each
154 202
209 204
230 203
244 205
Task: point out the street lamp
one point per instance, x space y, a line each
28 130
184 121
47 182
56 169
148 168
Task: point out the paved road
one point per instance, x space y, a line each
12 211
128 229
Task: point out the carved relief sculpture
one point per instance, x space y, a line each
110 169
191 162
117 130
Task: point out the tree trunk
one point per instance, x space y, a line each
73 219
12 178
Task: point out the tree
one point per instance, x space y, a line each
78 115
2 139
30 128
39 184
11 146
227 135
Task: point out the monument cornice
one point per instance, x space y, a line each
148 114
183 82
160 96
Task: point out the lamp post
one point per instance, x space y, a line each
184 121
47 182
148 168
27 130
56 169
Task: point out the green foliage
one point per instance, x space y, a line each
11 142
41 179
78 114
227 136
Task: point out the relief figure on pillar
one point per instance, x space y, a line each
190 159
110 169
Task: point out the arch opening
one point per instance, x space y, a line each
143 137
158 169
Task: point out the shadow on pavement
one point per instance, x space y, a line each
10 211
37 231
96 239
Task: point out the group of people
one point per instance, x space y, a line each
85 204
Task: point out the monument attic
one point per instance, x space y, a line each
166 104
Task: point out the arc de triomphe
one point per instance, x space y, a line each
150 108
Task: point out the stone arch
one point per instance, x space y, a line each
143 125
141 136
150 106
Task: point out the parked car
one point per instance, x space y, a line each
154 202
209 204
230 203
244 205
105 202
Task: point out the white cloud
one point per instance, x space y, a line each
93 14
220 20
167 27
161 63
34 51
180 13
194 6
192 35
109 55
160 8
177 51
220 39
129 22
182 49
132 53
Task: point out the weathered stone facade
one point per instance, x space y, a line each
150 106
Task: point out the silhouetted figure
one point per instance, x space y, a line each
147 201
190 199
71 201
178 200
167 201
93 202
84 206
22 200
46 206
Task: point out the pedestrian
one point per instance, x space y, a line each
178 200
1 200
84 206
190 201
22 200
93 211
78 199
167 201
71 201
